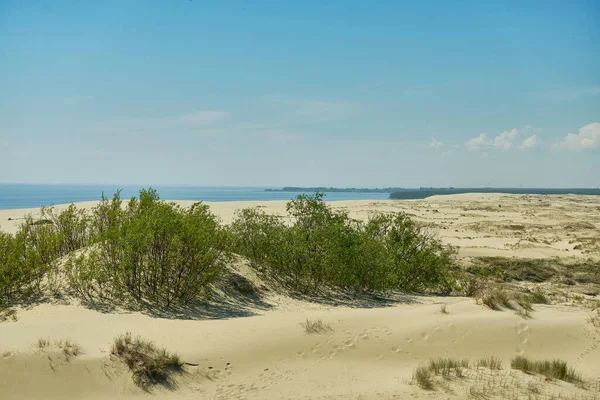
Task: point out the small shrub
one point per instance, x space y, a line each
551 369
491 362
149 365
423 377
315 327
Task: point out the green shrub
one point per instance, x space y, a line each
326 248
149 251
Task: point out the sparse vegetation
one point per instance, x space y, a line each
315 327
490 362
594 319
42 343
149 365
447 367
68 347
551 369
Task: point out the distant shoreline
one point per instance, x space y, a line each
422 193
428 192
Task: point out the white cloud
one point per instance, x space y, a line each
479 142
531 142
310 110
435 143
504 141
587 138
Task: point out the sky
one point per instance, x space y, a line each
303 93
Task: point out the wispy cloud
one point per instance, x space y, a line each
588 137
312 110
504 141
435 143
201 117
203 122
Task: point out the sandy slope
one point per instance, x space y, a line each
370 353
374 346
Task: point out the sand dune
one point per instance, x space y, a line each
374 346
370 352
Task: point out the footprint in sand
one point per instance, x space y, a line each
8 354
424 336
396 350
408 340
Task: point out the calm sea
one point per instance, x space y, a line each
32 196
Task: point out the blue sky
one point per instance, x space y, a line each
340 93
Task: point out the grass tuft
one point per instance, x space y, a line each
491 362
423 377
315 327
42 343
149 364
70 348
551 369
498 299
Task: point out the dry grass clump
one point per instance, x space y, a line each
491 362
69 348
315 327
423 377
499 299
551 369
444 309
42 343
149 364
447 367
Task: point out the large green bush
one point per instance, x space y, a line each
321 247
150 251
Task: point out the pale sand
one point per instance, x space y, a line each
372 350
